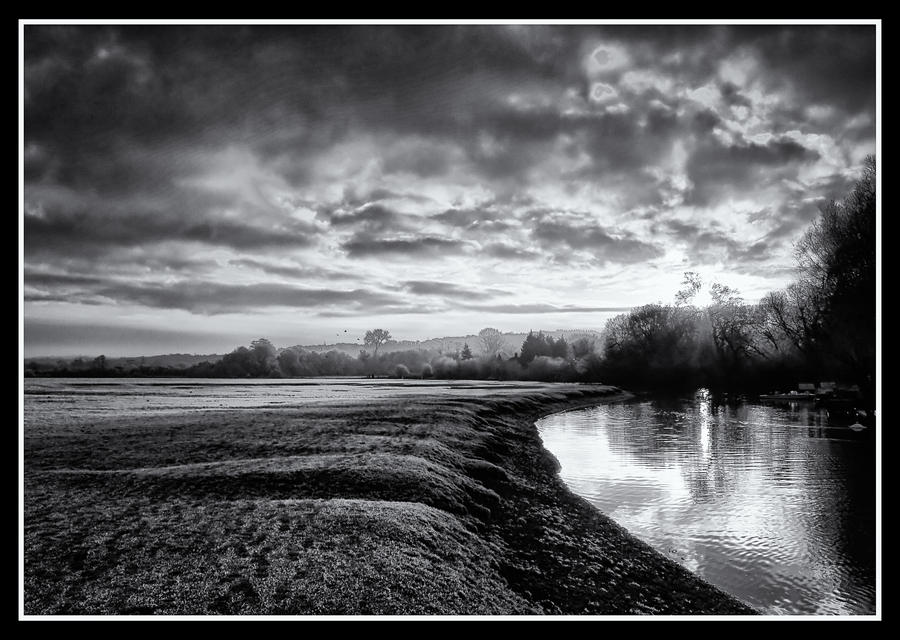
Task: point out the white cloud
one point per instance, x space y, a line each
602 92
708 95
737 69
604 58
643 80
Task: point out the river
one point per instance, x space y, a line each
773 503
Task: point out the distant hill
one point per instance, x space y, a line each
448 344
452 344
174 360
177 360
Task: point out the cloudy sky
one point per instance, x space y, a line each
191 188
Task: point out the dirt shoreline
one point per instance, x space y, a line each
435 504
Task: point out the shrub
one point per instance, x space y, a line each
401 371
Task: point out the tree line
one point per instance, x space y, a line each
820 327
541 358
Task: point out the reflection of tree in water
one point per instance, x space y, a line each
692 434
769 489
726 450
719 439
839 480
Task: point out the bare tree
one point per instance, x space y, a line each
794 317
837 259
690 287
733 325
492 341
375 338
837 253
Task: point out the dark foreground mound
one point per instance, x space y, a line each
440 504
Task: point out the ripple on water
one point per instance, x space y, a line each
773 504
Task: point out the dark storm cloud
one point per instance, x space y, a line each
718 170
559 235
731 94
423 160
214 297
824 64
289 96
709 244
372 218
219 298
473 218
73 228
508 252
361 247
41 296
541 308
398 309
790 225
821 63
127 263
449 290
293 272
354 200
54 280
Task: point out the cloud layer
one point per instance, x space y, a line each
363 171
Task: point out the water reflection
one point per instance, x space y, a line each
773 503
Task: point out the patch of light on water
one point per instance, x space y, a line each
772 504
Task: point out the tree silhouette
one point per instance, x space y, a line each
837 260
690 287
375 338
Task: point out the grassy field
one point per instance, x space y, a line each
443 504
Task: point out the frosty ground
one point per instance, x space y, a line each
443 502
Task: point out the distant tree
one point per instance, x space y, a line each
583 347
559 348
237 364
401 371
264 356
375 338
466 353
492 341
427 371
100 363
289 361
534 345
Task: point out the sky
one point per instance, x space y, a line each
189 188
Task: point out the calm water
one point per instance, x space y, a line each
772 503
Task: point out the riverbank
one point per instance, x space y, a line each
442 503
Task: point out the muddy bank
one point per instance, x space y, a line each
434 504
